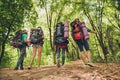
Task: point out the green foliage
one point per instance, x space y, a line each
19 14
7 61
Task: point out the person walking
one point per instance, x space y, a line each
37 38
22 50
61 40
81 37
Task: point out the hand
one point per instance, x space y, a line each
94 32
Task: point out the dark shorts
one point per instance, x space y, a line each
82 44
37 45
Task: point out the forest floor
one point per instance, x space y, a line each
71 71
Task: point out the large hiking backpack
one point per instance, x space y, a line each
17 39
36 36
85 31
59 34
66 30
76 33
59 29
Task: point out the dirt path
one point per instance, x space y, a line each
72 71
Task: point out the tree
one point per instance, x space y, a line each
11 19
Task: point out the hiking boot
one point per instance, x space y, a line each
21 68
63 63
90 64
29 68
58 63
15 68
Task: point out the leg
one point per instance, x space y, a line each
33 56
82 54
88 53
89 59
58 57
39 55
63 56
21 65
89 56
24 51
21 58
86 45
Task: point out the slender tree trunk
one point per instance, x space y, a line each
99 31
6 37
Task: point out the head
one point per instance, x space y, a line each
77 20
73 24
39 28
24 31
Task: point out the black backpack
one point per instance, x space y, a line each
36 36
17 39
59 34
60 30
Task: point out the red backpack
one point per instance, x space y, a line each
76 33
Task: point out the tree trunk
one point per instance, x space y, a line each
6 37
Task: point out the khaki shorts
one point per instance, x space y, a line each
36 45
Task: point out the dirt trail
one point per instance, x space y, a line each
72 71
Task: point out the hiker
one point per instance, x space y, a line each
61 35
36 37
80 36
22 49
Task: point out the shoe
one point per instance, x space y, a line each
90 64
29 68
62 63
15 68
21 68
58 63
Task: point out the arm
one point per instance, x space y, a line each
25 38
88 29
92 31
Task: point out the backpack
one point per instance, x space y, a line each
59 34
85 31
36 36
59 29
76 33
66 30
16 41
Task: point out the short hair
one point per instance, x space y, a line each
39 27
24 31
76 19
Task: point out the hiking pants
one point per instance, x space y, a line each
63 55
21 58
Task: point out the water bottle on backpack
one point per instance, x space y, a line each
66 30
85 31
